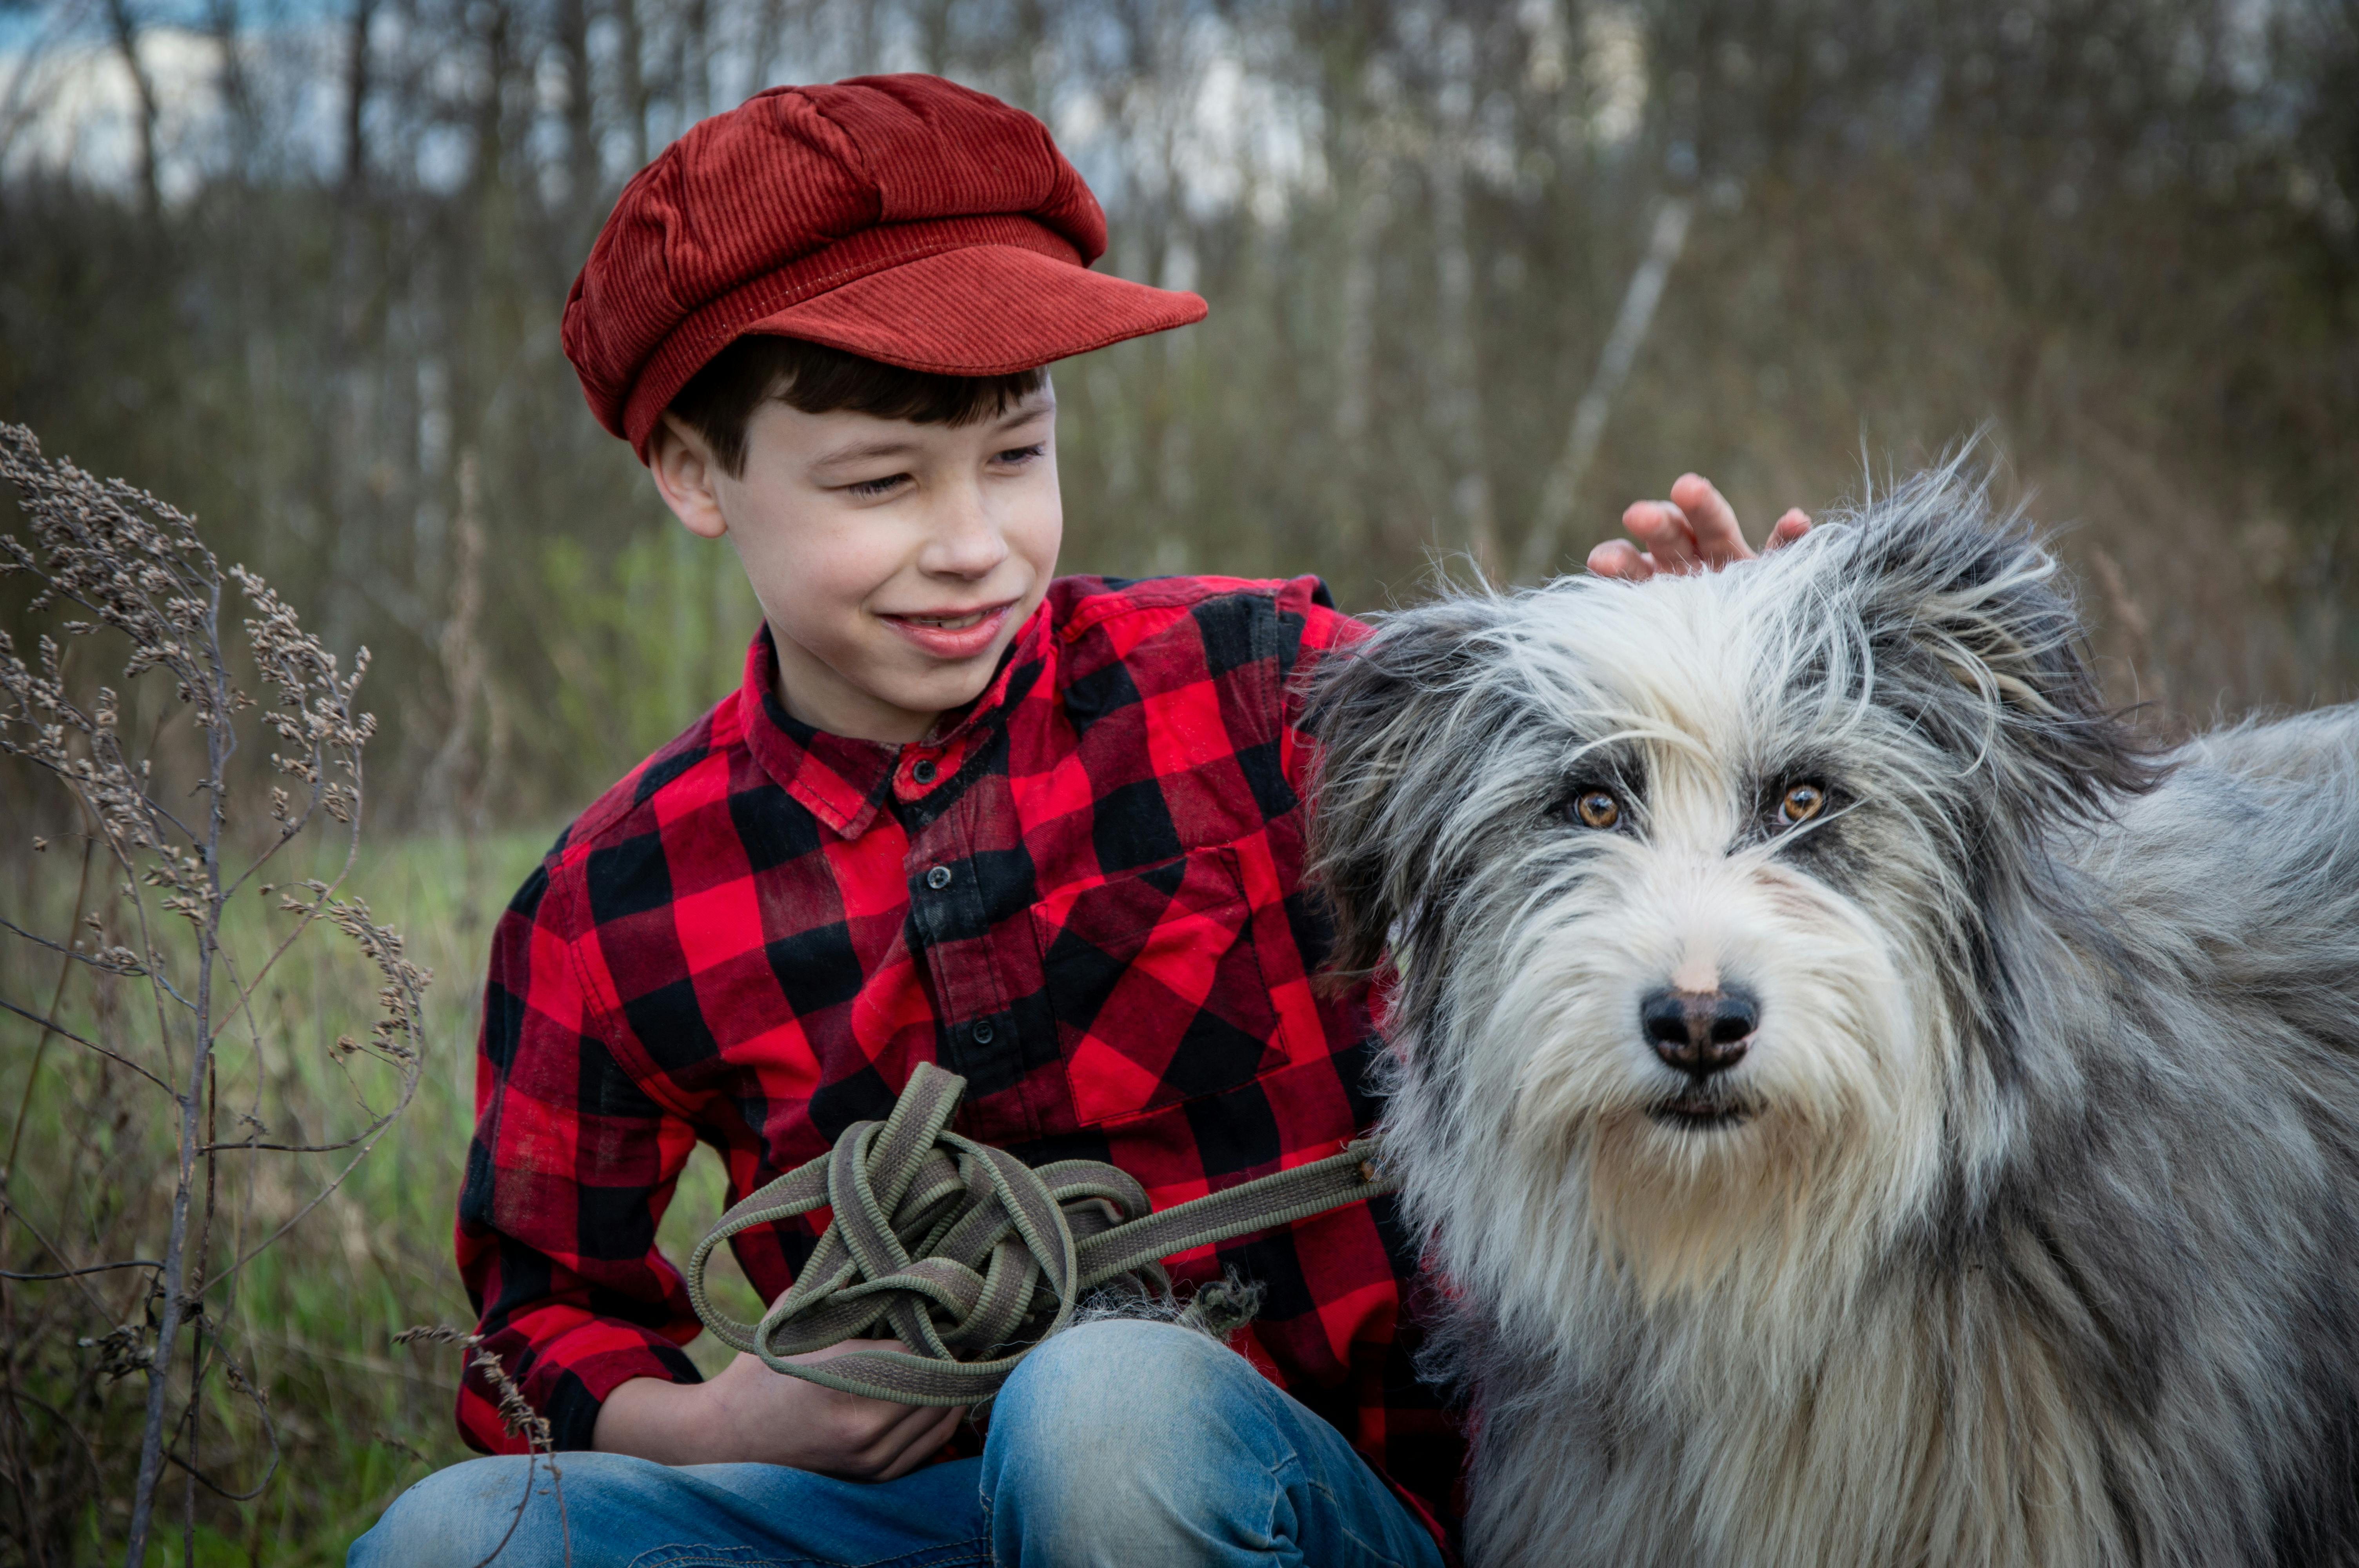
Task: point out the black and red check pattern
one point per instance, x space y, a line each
1085 897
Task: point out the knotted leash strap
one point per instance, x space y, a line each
968 1256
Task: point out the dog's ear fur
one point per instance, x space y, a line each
1971 633
1386 713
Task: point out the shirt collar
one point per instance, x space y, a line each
844 782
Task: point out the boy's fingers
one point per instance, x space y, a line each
934 1428
1662 528
1788 528
1718 539
884 1435
1620 558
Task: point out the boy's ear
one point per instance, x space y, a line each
684 470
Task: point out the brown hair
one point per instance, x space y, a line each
720 399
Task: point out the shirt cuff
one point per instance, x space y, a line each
566 1381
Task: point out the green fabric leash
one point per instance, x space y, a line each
971 1257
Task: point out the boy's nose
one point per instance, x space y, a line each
966 540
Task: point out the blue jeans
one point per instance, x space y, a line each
1115 1442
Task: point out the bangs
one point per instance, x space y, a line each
719 401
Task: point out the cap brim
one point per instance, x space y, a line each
981 311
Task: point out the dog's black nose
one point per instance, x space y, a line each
1699 1032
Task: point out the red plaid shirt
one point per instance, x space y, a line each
1085 897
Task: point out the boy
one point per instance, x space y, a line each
1047 832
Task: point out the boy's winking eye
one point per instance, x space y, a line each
871 489
840 470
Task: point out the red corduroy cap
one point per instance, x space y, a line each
902 218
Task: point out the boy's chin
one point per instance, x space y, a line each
917 683
942 692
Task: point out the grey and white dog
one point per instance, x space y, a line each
1869 1107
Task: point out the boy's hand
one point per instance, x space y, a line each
1693 531
749 1414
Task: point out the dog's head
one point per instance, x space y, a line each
1690 884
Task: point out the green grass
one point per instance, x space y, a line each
314 1315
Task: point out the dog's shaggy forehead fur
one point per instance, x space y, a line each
2023 1231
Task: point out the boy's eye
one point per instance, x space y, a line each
1015 455
868 488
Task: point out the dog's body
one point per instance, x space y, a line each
1870 1112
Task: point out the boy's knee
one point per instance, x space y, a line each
1126 1431
457 1516
1120 1380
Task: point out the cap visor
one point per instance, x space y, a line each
982 311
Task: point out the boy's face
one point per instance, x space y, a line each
895 561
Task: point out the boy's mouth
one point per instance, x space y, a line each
952 635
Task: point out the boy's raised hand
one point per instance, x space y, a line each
1695 530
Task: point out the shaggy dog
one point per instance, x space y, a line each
1870 1108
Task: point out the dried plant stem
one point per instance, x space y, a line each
48 1031
136 568
8 1391
220 743
518 1416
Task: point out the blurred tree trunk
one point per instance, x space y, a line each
934 35
1025 41
636 95
1368 207
354 273
693 73
237 93
356 98
769 28
582 179
1560 492
124 28
450 790
866 57
1457 373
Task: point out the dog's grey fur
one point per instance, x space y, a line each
2036 1239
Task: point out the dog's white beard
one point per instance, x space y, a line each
1553 1183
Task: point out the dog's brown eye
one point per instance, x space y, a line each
1597 808
1800 803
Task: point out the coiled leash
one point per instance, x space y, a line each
972 1257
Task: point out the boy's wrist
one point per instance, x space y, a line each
671 1423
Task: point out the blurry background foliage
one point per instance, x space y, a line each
297 267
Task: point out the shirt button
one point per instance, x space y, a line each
924 770
983 1034
939 878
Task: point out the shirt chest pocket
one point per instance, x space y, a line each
1158 991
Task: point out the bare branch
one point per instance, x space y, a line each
109 960
65 1034
93 1268
53 1248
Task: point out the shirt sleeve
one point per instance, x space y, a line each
569 1170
